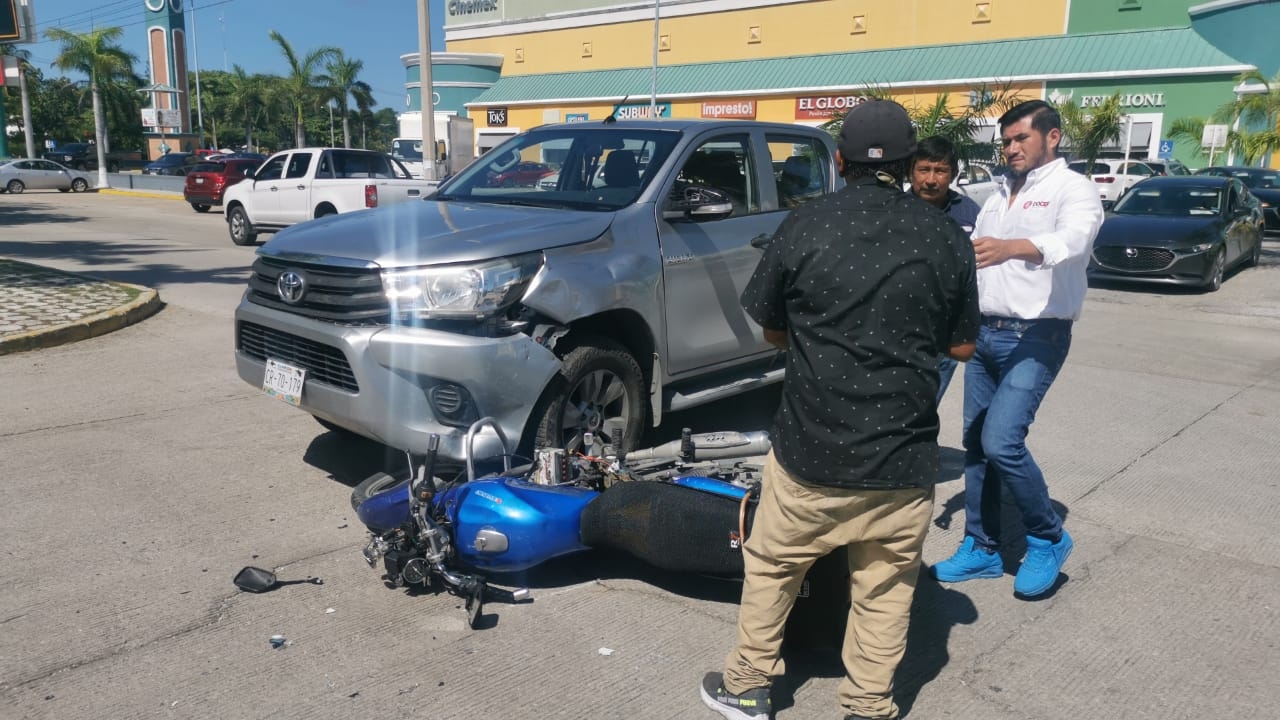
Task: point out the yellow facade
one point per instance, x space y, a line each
808 28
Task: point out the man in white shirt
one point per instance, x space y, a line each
1032 242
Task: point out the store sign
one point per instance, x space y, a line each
825 107
1127 100
161 118
642 112
471 7
576 117
497 117
730 109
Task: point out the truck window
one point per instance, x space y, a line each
724 164
273 170
298 164
801 167
325 170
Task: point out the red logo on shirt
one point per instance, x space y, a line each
1034 203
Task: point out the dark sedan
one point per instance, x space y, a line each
174 163
1179 230
1264 183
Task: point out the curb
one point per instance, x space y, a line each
139 193
146 304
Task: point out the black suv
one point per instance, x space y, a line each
80 156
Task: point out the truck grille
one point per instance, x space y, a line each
337 294
1141 259
324 364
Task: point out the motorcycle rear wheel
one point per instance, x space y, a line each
372 485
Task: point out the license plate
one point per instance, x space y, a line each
199 181
283 381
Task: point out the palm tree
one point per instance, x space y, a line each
342 82
1086 134
96 54
244 96
1255 109
302 81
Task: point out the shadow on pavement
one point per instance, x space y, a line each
111 253
32 212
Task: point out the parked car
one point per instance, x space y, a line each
977 181
1113 177
81 156
207 181
298 185
17 176
556 312
1168 167
1179 230
174 163
522 174
1264 183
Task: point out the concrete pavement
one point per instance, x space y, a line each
44 307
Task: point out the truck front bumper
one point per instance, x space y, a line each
389 389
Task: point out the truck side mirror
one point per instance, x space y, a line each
698 203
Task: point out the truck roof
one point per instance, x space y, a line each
679 124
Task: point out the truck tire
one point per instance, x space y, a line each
200 207
241 229
113 166
598 380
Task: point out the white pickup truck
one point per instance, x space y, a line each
294 186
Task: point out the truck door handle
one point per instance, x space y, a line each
760 241
275 189
302 187
414 192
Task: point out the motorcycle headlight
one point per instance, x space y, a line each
475 290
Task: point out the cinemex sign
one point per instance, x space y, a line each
471 7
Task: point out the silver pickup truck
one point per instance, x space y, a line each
578 278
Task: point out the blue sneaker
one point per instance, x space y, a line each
1040 567
969 563
754 704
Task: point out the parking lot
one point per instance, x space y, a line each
140 474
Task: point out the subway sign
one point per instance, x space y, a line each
826 107
642 112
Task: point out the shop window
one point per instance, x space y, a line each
859 25
982 12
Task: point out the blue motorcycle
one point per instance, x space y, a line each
683 506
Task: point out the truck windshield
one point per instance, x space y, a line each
406 149
591 168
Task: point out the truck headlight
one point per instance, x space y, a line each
473 290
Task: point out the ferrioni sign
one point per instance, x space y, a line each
1126 100
730 109
826 107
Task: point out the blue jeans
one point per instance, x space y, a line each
946 368
1011 370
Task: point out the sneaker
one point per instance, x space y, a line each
969 563
1040 567
753 704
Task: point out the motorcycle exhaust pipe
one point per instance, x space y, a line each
707 446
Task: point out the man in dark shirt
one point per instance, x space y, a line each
934 169
864 288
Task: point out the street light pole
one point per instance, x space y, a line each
427 92
653 80
195 46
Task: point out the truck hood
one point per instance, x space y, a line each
431 233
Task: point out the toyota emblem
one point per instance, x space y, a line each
291 286
1131 252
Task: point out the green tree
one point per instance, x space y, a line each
301 85
1254 110
1085 134
343 80
97 55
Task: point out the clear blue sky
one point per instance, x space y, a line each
231 32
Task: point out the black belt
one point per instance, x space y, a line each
996 322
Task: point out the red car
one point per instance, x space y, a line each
522 174
207 181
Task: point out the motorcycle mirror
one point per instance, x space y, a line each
257 580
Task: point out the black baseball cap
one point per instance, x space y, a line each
877 131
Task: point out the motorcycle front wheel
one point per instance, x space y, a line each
372 485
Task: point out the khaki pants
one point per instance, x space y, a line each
796 524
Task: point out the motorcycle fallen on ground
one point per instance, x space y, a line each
685 506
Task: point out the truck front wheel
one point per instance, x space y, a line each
241 229
598 381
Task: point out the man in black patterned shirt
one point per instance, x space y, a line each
865 288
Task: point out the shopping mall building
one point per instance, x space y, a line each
515 64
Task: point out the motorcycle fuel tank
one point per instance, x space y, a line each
509 524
